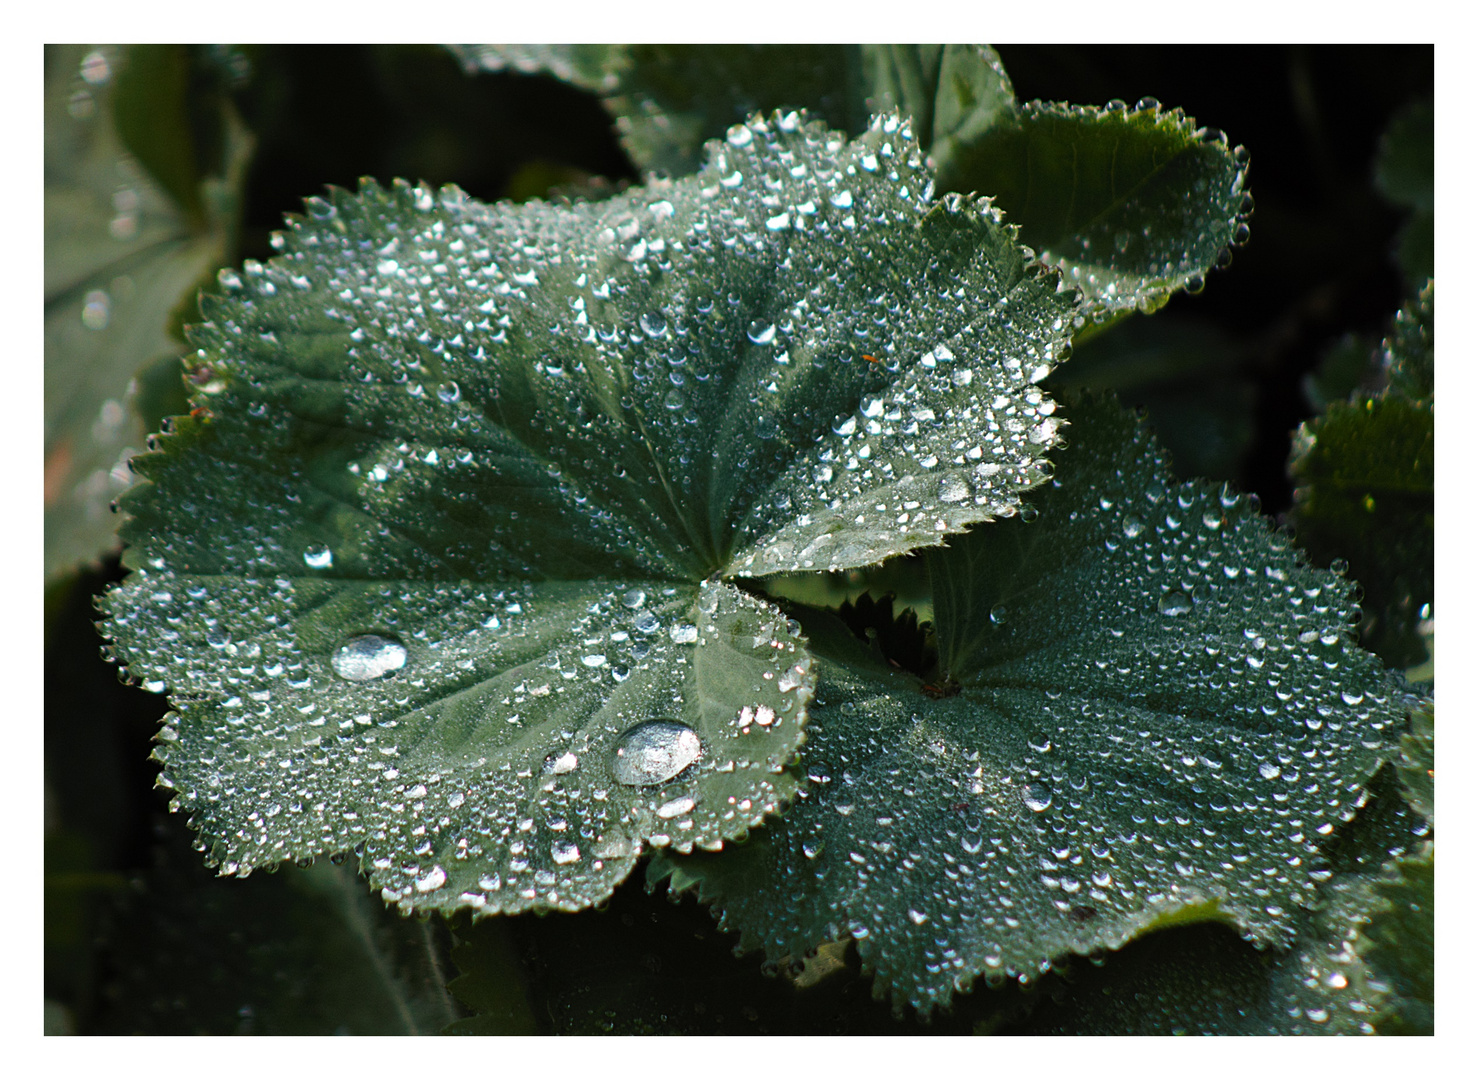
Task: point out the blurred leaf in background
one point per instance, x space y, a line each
144 161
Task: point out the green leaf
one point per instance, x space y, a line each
952 93
1405 170
1405 161
1397 946
1418 762
492 982
1203 980
306 952
1131 204
1364 494
434 573
1147 703
122 254
590 67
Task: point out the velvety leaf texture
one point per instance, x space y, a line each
1131 204
434 572
1148 702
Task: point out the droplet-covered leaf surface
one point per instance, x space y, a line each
1131 204
1148 702
448 523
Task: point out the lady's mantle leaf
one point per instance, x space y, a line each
1148 704
433 571
1131 204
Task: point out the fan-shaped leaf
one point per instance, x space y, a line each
1131 204
1147 703
433 571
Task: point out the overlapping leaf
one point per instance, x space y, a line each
434 573
1147 705
1131 204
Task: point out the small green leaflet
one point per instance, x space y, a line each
1149 703
1130 204
436 571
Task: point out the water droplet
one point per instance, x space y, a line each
998 614
761 332
449 392
318 556
96 308
559 764
654 752
634 598
653 324
95 69
564 853
368 656
1037 796
1133 526
434 878
953 489
681 805
683 633
1174 603
647 623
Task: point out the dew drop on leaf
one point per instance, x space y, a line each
761 332
1174 603
1037 796
654 752
318 557
560 764
368 656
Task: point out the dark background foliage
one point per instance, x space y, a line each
1319 267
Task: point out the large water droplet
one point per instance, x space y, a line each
953 489
1037 796
761 332
654 752
1174 603
368 656
318 556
